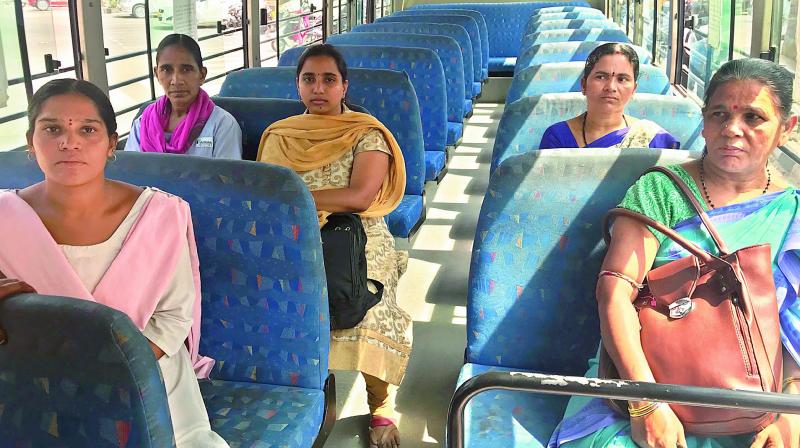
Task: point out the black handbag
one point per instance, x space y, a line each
344 245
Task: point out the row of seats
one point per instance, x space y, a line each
93 382
529 304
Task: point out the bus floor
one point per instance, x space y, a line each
434 292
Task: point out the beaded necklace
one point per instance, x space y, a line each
583 127
705 190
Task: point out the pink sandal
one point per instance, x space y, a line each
383 433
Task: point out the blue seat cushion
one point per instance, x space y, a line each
403 219
497 418
434 164
485 73
476 88
467 107
263 415
454 132
502 64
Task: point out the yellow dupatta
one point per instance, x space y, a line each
306 142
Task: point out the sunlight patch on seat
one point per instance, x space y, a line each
412 291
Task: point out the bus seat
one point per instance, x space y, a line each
505 23
457 32
427 76
395 94
567 52
554 9
587 14
530 302
574 24
265 309
468 23
569 35
77 373
562 77
449 54
525 120
482 30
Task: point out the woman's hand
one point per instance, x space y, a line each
661 429
772 435
12 286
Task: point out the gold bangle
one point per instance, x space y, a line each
643 411
790 380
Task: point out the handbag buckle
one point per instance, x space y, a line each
680 308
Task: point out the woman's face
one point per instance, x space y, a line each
70 140
742 125
610 85
179 76
321 86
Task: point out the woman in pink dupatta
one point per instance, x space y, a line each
126 247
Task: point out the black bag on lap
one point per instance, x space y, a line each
344 245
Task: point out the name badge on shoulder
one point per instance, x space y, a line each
204 142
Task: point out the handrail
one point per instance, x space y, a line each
614 389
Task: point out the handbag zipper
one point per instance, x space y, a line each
737 323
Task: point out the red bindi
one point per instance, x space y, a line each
735 107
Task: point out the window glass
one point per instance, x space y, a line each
706 40
788 48
648 18
743 27
269 37
300 23
663 40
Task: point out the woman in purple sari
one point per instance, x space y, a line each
608 82
747 115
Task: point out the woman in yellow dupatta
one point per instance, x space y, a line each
352 163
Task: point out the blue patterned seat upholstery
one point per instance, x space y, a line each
265 307
505 23
592 14
469 24
456 32
449 54
395 106
561 77
553 9
530 300
525 120
567 52
569 35
482 30
423 68
76 373
574 24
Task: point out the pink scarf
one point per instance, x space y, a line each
136 279
155 119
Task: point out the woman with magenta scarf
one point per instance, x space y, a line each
184 120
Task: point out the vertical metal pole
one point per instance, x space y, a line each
76 37
326 16
245 34
148 37
93 53
278 29
23 50
252 30
655 31
678 56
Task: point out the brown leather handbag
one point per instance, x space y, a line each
709 321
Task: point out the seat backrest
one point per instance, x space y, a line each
456 32
570 24
484 32
525 120
566 52
505 22
556 9
445 47
562 77
264 304
467 22
395 94
537 251
76 373
256 114
569 35
424 69
595 14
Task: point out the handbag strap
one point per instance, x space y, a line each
693 248
723 249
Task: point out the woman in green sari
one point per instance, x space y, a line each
747 115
